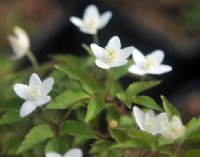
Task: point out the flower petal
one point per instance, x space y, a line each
18 51
114 42
160 123
22 37
91 10
104 19
27 108
118 63
88 30
98 51
126 52
135 69
52 154
47 85
77 21
43 100
139 117
21 90
102 64
160 69
149 114
138 57
75 152
34 80
157 56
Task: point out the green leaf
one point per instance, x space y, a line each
79 141
88 84
67 99
169 108
36 136
10 117
119 135
126 121
11 104
127 100
58 145
143 136
138 87
100 146
192 153
76 128
94 108
192 129
133 143
146 102
121 71
69 60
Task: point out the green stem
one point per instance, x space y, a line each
110 80
95 38
32 59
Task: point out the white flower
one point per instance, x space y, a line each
92 21
112 55
35 94
174 129
20 42
75 152
149 122
150 64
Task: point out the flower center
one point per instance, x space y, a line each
149 123
91 22
149 63
35 93
110 54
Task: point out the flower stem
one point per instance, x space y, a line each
95 38
32 59
110 80
177 148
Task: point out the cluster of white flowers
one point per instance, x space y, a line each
36 93
74 152
112 55
170 129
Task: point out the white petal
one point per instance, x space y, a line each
104 19
157 55
118 63
88 30
114 42
52 154
91 10
126 52
139 117
135 69
27 107
77 21
149 114
22 37
161 122
160 69
98 51
47 85
17 49
75 152
34 80
21 90
138 57
102 64
43 100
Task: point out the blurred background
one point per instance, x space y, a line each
170 25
